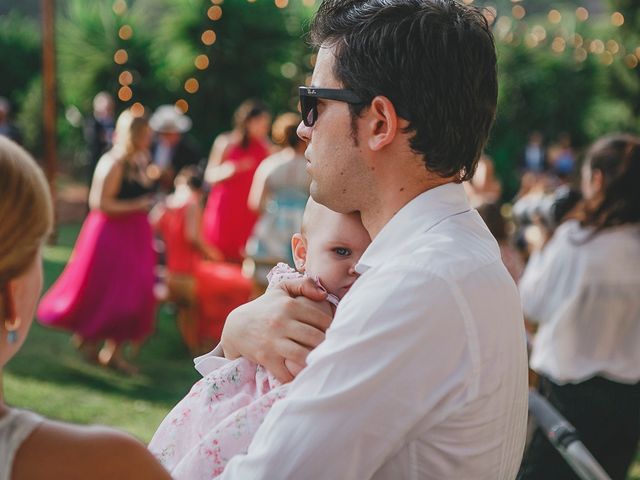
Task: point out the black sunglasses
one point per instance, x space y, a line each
309 101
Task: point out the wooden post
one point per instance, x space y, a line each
49 99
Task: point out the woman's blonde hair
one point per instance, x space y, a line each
26 212
128 130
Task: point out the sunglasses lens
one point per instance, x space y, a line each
309 112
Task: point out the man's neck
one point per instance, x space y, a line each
394 197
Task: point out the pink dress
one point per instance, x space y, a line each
227 221
106 289
220 415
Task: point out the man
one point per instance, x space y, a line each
98 129
422 374
171 150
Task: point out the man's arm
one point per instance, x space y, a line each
394 359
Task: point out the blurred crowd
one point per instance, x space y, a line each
571 240
168 225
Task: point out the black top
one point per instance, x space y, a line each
131 187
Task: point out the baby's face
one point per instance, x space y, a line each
334 244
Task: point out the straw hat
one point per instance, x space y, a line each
167 119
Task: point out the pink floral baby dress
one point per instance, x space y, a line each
220 415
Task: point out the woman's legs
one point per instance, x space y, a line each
111 355
606 416
87 348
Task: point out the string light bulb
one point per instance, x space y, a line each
191 85
182 105
121 56
201 62
208 37
631 61
137 109
558 45
125 93
582 14
554 16
214 13
518 12
119 7
125 32
125 78
617 19
613 46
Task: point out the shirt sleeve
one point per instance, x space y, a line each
395 353
549 277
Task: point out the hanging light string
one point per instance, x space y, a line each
121 58
561 34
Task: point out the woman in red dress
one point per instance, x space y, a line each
227 221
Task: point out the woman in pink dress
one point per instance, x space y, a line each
227 221
106 289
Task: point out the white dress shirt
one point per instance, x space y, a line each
423 372
586 298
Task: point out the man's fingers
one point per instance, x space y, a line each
280 371
293 351
304 334
316 314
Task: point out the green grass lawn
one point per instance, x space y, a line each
49 376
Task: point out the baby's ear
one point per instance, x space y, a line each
299 249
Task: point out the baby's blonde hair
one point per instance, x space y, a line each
26 212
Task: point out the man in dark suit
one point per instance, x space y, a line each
171 150
98 130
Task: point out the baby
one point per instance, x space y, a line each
220 415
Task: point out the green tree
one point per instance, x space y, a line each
88 37
20 56
626 81
258 53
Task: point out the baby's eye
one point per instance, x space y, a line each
342 251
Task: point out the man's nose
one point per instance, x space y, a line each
304 132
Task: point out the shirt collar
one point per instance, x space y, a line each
419 215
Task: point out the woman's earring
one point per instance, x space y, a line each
12 330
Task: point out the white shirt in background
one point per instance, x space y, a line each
162 157
423 373
586 298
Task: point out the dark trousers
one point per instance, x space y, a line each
606 416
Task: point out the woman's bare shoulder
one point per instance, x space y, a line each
60 450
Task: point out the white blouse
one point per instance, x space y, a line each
586 297
15 428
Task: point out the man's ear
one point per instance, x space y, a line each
299 248
382 123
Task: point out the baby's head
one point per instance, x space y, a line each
329 246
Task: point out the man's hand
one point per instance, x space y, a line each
284 324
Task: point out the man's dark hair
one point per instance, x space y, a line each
434 59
